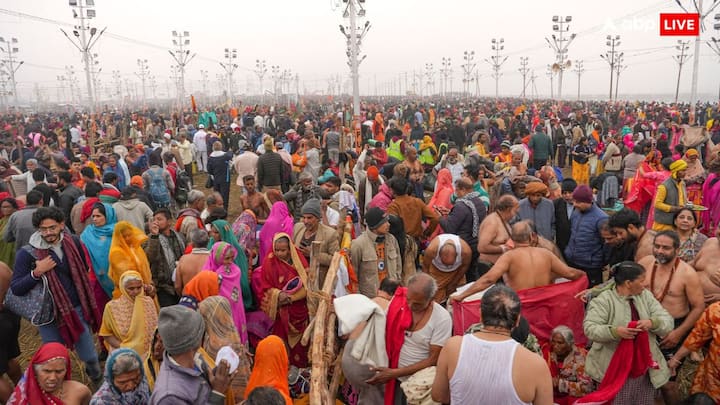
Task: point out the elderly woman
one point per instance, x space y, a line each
129 321
125 382
567 367
690 239
47 380
97 238
624 324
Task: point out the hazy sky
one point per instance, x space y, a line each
405 35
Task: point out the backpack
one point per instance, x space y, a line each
159 192
182 186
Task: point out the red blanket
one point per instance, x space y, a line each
543 307
631 359
399 319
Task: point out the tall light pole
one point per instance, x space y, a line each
95 71
204 81
559 44
142 74
714 43
611 57
61 95
468 67
153 86
551 73
445 71
260 70
430 78
175 76
496 61
9 47
182 58
230 66
524 70
698 5
275 76
82 12
683 47
580 70
117 82
619 68
354 35
72 82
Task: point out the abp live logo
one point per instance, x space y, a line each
679 24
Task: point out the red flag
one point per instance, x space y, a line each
192 101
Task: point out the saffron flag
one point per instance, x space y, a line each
544 308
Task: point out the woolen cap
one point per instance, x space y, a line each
181 329
583 194
312 207
374 217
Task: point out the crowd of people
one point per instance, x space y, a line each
170 292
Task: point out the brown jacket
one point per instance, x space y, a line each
364 260
413 210
329 244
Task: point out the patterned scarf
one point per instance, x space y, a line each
67 320
466 199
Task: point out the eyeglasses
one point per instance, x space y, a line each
48 229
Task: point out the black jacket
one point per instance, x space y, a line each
562 224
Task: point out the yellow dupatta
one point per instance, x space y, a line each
137 318
126 253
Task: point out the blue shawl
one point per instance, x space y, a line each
97 240
108 394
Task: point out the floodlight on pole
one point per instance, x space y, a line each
524 70
579 70
229 66
353 37
611 56
9 49
82 12
142 73
559 45
445 71
468 67
182 57
681 58
496 61
260 70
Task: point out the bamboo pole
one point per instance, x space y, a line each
314 274
318 378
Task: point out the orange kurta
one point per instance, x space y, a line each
707 329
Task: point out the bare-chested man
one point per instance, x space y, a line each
494 233
192 263
415 171
677 287
523 267
707 266
254 200
629 228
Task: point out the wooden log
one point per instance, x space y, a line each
318 378
314 270
336 377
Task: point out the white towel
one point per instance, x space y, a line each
369 347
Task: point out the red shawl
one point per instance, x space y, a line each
399 319
631 359
67 320
28 391
87 208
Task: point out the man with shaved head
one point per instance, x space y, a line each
523 267
446 259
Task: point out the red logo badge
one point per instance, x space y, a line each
679 24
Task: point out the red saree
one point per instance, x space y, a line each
290 321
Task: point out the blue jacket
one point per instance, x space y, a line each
585 248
